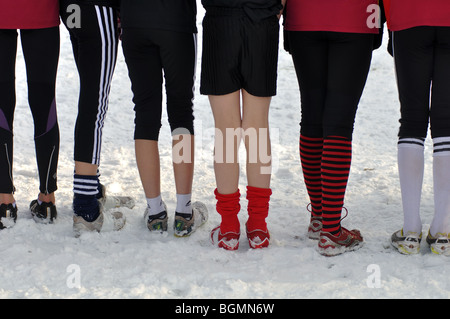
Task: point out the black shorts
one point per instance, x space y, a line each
238 53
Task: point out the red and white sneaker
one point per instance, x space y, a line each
258 238
228 241
314 228
348 240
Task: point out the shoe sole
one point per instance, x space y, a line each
329 248
440 249
406 248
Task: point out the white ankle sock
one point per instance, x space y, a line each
411 169
184 204
441 181
155 205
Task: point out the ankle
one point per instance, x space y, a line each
228 206
47 198
230 224
7 198
258 207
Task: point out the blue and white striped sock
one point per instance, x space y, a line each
85 203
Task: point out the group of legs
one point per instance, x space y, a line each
147 54
331 68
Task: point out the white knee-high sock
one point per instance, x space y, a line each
411 169
441 184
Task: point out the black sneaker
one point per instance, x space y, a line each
8 215
44 213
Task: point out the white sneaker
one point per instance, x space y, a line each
408 244
185 226
156 222
439 244
110 220
80 225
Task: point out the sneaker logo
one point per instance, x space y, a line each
345 242
179 225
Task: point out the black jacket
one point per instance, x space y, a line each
172 15
255 9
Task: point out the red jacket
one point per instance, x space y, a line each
330 15
405 14
29 14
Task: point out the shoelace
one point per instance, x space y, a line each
308 208
442 238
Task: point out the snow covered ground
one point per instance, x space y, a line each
47 261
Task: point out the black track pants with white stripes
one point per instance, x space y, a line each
94 42
41 52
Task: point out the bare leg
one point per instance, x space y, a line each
7 198
147 159
183 162
47 197
227 116
255 124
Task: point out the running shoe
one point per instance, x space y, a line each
80 225
439 244
156 222
44 213
186 224
314 228
407 244
228 241
258 238
331 245
8 215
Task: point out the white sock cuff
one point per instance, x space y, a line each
441 146
184 203
155 205
411 142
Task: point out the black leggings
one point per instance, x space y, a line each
95 45
149 52
332 69
422 61
41 53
